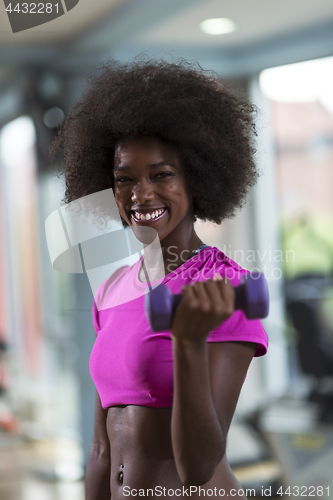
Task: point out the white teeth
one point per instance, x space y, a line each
148 216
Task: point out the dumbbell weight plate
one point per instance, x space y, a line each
159 307
252 296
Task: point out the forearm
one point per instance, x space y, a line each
97 476
197 438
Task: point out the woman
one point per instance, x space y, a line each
174 144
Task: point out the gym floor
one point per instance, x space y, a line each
27 471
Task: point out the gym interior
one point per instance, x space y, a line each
280 56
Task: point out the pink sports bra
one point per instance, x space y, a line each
132 365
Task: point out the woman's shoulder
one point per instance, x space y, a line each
102 289
116 289
203 266
212 260
220 257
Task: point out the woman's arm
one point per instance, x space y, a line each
97 477
207 380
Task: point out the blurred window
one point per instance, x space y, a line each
20 240
302 121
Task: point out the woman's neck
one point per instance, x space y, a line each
175 255
162 259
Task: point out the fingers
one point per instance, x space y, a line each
222 295
203 307
202 296
216 296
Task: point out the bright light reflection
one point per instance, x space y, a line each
302 82
218 26
16 138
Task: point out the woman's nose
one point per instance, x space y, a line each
142 192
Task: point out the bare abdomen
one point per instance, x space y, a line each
142 458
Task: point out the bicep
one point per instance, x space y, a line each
228 364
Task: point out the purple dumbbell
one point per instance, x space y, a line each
251 297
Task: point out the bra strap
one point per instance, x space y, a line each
200 248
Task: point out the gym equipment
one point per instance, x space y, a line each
251 297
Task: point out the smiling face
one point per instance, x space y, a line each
150 189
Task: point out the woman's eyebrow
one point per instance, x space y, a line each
162 163
153 165
119 167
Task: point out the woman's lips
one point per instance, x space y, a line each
148 217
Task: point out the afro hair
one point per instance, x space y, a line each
211 128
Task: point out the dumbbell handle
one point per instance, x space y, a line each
251 297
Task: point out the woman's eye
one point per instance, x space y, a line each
161 175
122 179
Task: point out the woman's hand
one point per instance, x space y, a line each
203 307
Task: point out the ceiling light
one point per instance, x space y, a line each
217 26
